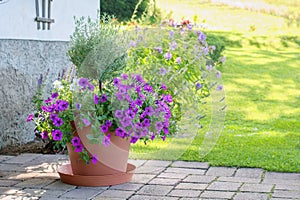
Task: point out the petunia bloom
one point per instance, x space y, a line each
83 82
96 99
94 159
58 121
78 148
104 128
57 135
106 140
44 135
178 60
103 98
86 122
54 95
30 117
119 114
75 140
168 56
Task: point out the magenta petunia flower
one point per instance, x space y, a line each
75 141
158 126
168 98
119 114
166 130
53 117
91 87
58 121
78 148
130 113
57 135
44 135
30 117
163 137
146 122
117 81
106 140
62 105
120 132
96 99
83 82
148 88
86 122
49 100
133 139
104 128
124 76
103 98
54 95
163 86
94 159
108 123
126 121
152 137
139 102
149 110
139 78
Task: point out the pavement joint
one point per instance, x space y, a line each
26 177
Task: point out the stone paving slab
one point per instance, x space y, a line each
33 176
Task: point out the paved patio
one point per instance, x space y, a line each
33 176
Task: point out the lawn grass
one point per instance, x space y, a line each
262 79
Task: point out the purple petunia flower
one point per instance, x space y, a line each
138 125
53 117
91 87
58 121
78 148
54 95
62 105
190 26
108 123
173 45
57 135
178 60
103 98
86 122
168 56
30 117
119 96
218 74
119 114
166 130
138 89
148 88
96 99
78 106
124 76
201 37
133 139
158 49
94 159
163 86
130 113
139 78
117 81
209 67
126 121
220 87
199 86
171 33
139 102
106 140
44 135
75 140
146 122
104 128
163 137
158 126
120 132
83 82
149 110
49 100
152 137
168 98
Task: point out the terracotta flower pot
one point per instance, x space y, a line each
111 168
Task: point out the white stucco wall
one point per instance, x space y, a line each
17 18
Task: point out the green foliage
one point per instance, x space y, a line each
124 9
98 47
218 43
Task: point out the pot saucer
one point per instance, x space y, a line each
67 176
